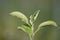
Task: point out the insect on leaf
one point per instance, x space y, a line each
45 24
26 29
20 15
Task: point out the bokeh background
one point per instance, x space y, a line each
50 10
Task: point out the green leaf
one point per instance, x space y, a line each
26 29
48 23
45 24
20 15
34 16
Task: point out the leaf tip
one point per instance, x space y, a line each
18 28
14 13
53 23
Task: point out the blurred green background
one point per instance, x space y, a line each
50 10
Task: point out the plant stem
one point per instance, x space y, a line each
32 38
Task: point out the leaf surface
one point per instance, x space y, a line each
26 29
20 15
45 24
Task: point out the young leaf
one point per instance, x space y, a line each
48 23
20 15
45 24
26 29
34 16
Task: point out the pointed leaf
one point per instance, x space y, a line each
34 16
26 29
48 23
45 24
20 15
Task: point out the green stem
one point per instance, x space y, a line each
32 38
32 27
